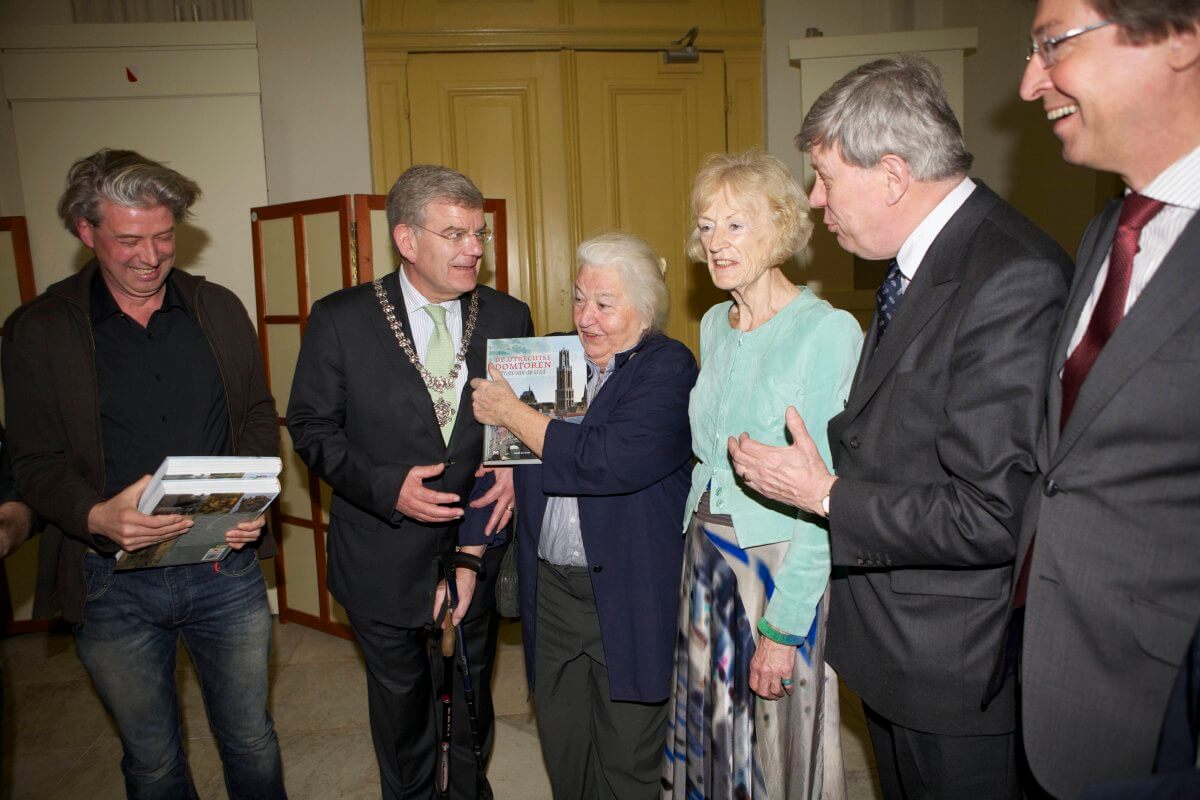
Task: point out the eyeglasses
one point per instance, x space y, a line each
1047 49
459 236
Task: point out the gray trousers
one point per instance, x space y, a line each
594 747
914 765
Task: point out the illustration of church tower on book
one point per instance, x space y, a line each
564 393
549 374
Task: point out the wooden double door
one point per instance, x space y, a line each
577 143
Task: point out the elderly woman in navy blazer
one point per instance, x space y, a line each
599 529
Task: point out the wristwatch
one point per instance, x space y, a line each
825 504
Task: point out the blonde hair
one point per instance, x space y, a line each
753 176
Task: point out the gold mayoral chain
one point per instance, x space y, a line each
442 410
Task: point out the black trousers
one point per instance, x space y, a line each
400 683
915 765
595 748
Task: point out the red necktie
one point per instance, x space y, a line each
1106 316
1110 307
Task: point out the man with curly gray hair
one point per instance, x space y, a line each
105 374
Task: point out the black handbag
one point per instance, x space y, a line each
508 597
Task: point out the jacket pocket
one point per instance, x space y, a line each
979 584
1163 633
352 515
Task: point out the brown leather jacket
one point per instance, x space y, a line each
53 416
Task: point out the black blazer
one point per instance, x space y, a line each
935 456
361 417
630 464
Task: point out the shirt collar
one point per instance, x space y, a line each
414 301
913 251
104 305
618 359
1178 184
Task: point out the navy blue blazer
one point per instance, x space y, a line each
629 462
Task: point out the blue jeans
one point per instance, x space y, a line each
132 622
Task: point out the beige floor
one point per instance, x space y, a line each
59 742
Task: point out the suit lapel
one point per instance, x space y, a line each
925 295
412 381
839 421
936 281
1085 278
1169 300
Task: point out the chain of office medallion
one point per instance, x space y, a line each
439 385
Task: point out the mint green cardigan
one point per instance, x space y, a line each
803 356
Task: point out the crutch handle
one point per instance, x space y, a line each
448 634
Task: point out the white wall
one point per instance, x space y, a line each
36 12
314 98
20 12
195 106
784 20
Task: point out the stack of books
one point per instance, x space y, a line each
216 493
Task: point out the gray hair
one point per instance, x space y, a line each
894 106
123 178
640 268
422 184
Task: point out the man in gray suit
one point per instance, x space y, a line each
934 451
1111 541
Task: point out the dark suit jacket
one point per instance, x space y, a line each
361 417
1177 763
630 464
935 456
1114 583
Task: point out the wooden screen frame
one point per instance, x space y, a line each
27 288
344 206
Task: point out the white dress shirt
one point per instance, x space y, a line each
1179 187
421 325
913 251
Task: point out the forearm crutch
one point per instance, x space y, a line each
445 700
484 788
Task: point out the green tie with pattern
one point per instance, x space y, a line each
439 360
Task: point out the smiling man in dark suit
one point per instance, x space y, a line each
381 410
934 451
1111 542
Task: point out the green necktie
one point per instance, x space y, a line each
439 360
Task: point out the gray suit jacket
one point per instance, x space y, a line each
1114 585
935 457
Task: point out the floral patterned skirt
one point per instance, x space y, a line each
723 742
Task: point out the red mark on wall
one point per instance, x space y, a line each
131 74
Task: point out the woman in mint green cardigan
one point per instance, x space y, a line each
755 706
